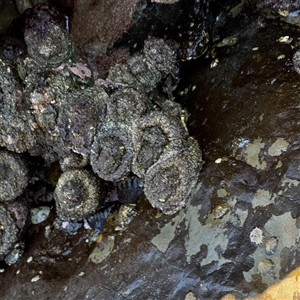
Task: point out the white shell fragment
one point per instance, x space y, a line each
35 278
29 259
190 296
257 236
285 39
219 160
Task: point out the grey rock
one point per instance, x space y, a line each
39 214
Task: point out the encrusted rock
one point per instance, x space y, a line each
13 176
15 254
13 220
8 231
17 127
296 61
120 74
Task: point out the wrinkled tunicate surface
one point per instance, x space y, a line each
169 132
68 121
77 195
47 40
170 181
112 152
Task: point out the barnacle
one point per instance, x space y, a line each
80 113
149 145
13 176
157 61
8 86
77 195
170 181
73 160
257 236
112 152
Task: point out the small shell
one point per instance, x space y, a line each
127 213
271 245
257 236
220 210
265 266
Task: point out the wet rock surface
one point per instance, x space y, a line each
243 106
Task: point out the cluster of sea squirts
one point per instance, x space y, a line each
55 107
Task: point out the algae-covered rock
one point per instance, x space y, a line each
14 175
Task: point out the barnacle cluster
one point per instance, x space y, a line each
53 107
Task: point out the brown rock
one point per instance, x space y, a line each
97 24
